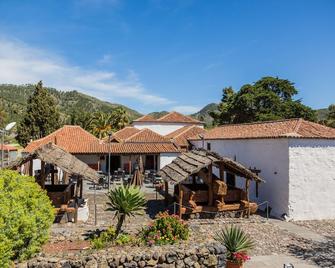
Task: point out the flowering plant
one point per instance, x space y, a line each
165 229
240 257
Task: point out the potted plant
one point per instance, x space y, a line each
237 243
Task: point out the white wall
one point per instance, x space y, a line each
161 128
268 155
166 158
312 179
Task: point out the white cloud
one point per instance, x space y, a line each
22 64
186 109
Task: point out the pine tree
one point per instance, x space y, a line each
41 117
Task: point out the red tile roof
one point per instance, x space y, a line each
72 139
145 118
181 135
7 147
76 140
125 133
146 135
290 128
175 117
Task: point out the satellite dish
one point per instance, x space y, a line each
10 126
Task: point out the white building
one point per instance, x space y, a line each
167 123
296 159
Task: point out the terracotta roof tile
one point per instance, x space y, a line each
72 139
125 133
181 135
145 118
290 128
76 140
174 117
7 147
147 135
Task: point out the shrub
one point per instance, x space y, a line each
165 229
108 238
237 243
104 238
26 214
126 201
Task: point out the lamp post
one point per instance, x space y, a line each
3 132
109 159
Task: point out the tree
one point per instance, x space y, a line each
81 118
101 124
3 116
41 116
26 215
126 201
331 116
269 98
119 118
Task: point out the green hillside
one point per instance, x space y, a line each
203 114
14 99
322 114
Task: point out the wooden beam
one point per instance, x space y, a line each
210 185
247 185
166 193
31 167
43 174
180 200
221 169
81 188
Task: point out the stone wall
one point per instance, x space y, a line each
204 256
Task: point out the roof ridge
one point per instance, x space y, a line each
297 126
185 130
259 122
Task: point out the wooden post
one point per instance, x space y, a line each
210 186
52 175
247 185
43 174
180 200
31 167
194 179
81 188
166 193
221 169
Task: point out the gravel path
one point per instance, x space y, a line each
269 238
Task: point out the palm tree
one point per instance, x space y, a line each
101 124
120 118
126 201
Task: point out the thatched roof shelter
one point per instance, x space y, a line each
52 154
192 162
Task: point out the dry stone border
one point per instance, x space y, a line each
212 255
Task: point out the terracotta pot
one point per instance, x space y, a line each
230 264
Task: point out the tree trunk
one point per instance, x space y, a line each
119 224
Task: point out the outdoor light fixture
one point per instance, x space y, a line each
3 132
288 265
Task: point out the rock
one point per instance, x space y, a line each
211 261
180 264
141 264
122 259
103 264
171 257
152 262
21 265
196 265
91 264
155 256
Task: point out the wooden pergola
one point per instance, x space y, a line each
53 157
198 190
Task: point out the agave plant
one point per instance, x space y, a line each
236 241
126 201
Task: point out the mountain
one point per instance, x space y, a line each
157 115
203 114
14 98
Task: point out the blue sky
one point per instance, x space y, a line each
169 55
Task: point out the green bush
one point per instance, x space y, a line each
104 238
166 229
26 214
108 237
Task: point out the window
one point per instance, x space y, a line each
208 146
